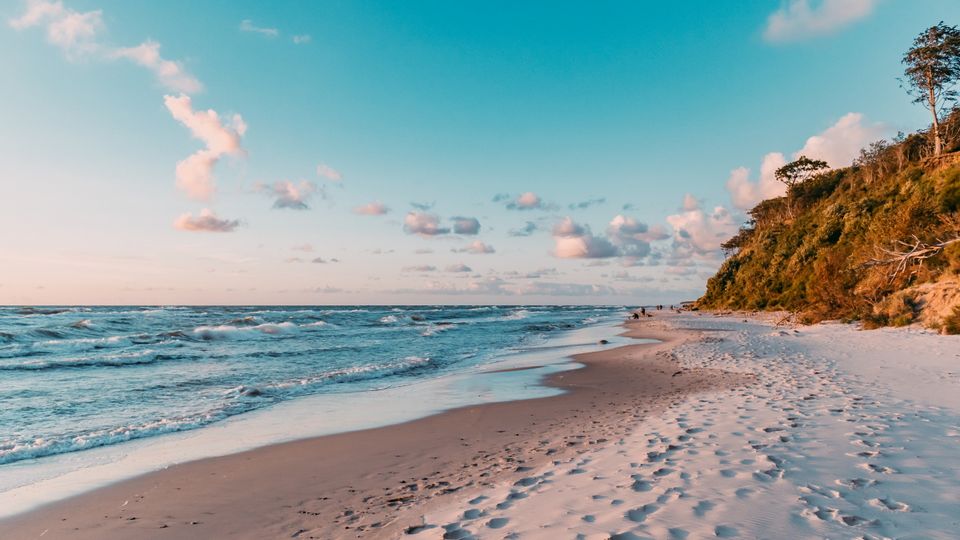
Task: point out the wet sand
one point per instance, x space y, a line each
378 483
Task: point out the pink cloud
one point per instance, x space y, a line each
73 31
195 173
424 224
798 19
206 221
526 201
476 247
170 73
375 208
329 172
289 195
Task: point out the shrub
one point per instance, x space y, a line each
950 194
951 323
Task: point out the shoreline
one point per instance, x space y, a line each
376 483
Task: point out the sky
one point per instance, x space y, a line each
241 152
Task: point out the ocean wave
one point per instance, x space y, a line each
517 315
389 319
226 331
96 342
436 328
82 324
355 373
18 450
117 360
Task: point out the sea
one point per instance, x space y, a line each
74 379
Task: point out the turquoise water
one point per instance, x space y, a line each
75 378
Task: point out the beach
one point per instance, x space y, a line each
726 427
373 482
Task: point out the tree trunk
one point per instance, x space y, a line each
937 143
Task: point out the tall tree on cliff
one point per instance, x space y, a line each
932 72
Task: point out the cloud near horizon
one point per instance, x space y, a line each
195 173
205 221
465 225
423 224
633 237
698 233
798 19
574 241
477 248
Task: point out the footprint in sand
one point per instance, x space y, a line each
890 504
497 523
725 531
702 508
639 515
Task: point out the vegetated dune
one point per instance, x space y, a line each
878 241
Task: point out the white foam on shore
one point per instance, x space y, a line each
845 434
27 484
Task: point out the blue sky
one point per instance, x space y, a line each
642 110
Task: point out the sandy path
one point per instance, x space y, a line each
378 483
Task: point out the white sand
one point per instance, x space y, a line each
846 434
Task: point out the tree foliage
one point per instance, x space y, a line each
932 72
801 170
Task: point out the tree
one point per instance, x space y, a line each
799 171
932 72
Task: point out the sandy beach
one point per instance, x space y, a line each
378 483
729 427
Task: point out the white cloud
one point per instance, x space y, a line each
700 232
545 288
329 173
170 73
582 205
746 193
457 268
575 241
476 247
465 225
195 173
301 39
247 25
73 31
206 221
798 19
420 268
289 195
424 224
76 34
838 145
633 237
527 229
375 208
